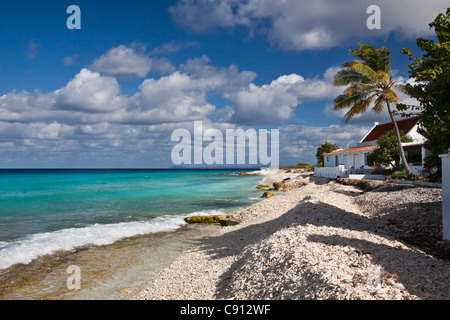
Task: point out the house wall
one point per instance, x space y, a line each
446 196
425 151
329 161
415 135
347 159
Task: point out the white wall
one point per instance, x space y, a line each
330 172
367 176
417 137
360 160
446 196
329 160
425 151
347 159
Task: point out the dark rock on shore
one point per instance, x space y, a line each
223 220
365 185
267 194
229 222
205 219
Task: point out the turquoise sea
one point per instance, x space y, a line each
44 211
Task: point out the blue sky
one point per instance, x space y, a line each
111 93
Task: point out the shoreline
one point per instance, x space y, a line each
320 239
107 271
102 265
315 238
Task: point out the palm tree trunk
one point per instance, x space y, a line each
399 142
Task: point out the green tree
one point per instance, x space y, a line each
369 84
387 154
325 148
431 88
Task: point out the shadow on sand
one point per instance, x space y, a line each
393 260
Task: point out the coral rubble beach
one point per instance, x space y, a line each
317 239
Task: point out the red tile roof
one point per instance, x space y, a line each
353 150
381 129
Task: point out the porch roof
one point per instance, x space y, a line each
413 144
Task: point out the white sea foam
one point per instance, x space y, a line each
26 249
267 171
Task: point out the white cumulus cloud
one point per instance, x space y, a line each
89 92
123 62
276 102
304 24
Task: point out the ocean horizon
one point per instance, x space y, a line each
43 211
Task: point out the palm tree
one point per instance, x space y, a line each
369 84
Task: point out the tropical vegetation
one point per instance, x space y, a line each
431 87
326 147
387 153
369 84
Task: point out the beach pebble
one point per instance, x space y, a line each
382 291
399 286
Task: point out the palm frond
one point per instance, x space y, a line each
366 71
377 59
368 80
384 60
344 101
382 76
348 76
379 104
361 88
390 95
358 108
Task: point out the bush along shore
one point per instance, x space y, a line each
317 238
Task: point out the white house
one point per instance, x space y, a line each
342 162
445 196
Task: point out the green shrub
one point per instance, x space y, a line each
401 175
303 165
435 178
